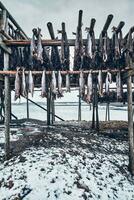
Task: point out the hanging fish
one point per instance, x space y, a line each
81 84
117 47
33 46
119 86
89 88
17 85
107 85
24 92
60 91
67 83
39 47
31 83
105 50
43 84
110 77
53 85
89 45
100 83
108 81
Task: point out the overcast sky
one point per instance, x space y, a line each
36 13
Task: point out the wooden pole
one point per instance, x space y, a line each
51 107
130 126
79 108
96 105
10 100
108 111
53 110
48 100
93 115
107 117
48 108
1 107
27 106
7 108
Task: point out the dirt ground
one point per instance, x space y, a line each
37 133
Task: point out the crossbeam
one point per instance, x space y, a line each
54 42
9 72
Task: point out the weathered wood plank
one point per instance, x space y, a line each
7 108
130 125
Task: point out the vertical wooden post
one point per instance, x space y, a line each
7 108
107 117
52 109
27 106
93 115
108 111
96 105
79 107
48 99
4 21
48 107
10 101
0 101
130 126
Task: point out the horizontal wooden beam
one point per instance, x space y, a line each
71 42
64 72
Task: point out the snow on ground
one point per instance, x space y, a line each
67 161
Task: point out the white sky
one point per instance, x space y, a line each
36 13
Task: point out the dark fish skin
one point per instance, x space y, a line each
31 83
17 85
39 49
81 84
89 88
53 85
60 91
43 85
100 83
119 86
68 83
24 92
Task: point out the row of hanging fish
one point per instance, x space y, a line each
24 84
86 89
107 52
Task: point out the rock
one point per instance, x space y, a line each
82 186
111 175
42 169
10 184
52 181
84 196
22 159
